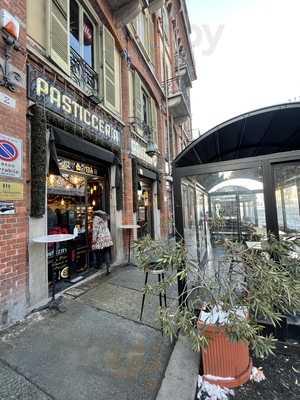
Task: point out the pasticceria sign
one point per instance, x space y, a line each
60 100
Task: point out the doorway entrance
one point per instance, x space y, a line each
72 199
145 208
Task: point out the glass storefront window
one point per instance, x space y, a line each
229 205
72 199
145 208
287 186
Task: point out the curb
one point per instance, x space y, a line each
181 376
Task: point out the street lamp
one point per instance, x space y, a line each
151 149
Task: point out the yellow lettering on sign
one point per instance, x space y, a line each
55 97
11 191
76 109
101 126
42 86
66 104
94 121
87 117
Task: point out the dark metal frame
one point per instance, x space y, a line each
266 162
83 74
9 78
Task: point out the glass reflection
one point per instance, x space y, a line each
74 26
88 40
287 185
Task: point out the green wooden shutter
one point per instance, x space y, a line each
137 97
135 24
59 33
109 68
146 30
151 40
153 116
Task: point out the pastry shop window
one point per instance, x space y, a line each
73 197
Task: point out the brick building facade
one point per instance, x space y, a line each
105 112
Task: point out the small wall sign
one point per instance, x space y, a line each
11 190
11 155
7 100
7 208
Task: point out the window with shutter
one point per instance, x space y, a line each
152 40
109 66
59 33
137 101
146 33
154 120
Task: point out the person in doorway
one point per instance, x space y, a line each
102 241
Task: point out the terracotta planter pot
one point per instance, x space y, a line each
225 359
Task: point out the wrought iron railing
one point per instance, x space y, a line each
181 63
139 124
176 86
82 74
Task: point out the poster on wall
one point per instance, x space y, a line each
10 156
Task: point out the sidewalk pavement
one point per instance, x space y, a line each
97 350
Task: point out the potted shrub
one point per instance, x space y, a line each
232 294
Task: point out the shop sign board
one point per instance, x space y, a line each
55 97
11 190
10 156
139 151
7 208
77 166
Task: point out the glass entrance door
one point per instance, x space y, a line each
72 199
145 208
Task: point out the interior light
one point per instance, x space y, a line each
62 202
51 179
94 203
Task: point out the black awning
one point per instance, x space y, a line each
68 141
53 167
147 173
266 131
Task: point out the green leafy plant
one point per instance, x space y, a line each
249 286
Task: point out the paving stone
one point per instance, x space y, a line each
125 302
15 387
133 278
85 354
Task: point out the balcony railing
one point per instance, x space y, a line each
179 98
139 126
182 69
82 74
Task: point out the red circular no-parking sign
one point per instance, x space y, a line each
8 151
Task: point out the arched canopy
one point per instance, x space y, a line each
265 131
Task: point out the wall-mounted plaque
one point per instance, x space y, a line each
11 190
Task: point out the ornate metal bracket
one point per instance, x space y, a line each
9 78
